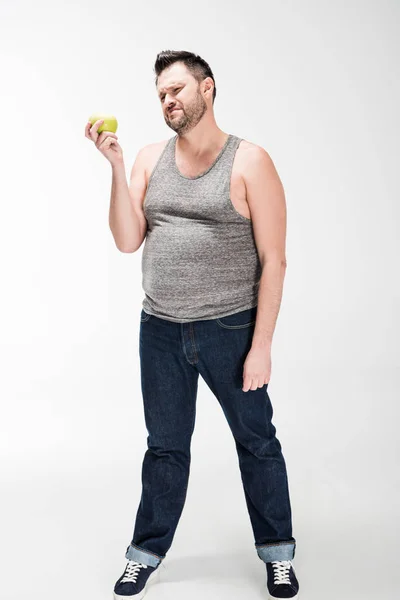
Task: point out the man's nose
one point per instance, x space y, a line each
169 102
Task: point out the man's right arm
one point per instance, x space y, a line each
126 218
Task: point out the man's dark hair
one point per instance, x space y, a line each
198 67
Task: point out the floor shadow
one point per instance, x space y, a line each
217 568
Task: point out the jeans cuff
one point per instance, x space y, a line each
133 552
276 551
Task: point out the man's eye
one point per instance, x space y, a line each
175 90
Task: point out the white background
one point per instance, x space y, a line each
316 84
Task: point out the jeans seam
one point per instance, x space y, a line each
234 326
193 344
274 544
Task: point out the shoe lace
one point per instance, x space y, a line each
132 570
281 571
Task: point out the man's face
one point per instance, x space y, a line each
181 99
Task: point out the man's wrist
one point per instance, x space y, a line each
262 343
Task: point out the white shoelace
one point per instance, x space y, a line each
281 571
132 570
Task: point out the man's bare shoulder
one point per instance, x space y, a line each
252 157
155 147
250 151
151 153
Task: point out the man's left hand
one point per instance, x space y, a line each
256 368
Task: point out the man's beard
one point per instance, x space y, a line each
186 120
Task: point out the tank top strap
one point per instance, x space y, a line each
226 162
168 154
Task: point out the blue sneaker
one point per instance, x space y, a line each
281 580
135 580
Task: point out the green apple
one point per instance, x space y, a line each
110 122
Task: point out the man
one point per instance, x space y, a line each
212 209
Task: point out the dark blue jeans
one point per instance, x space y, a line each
172 355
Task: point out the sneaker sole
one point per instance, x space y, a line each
296 597
152 579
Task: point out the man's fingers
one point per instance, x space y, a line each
92 134
93 130
106 142
105 134
250 383
87 130
103 138
247 383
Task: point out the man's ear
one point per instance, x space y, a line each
208 84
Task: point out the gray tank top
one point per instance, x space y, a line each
199 259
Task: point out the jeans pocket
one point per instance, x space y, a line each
239 320
144 316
